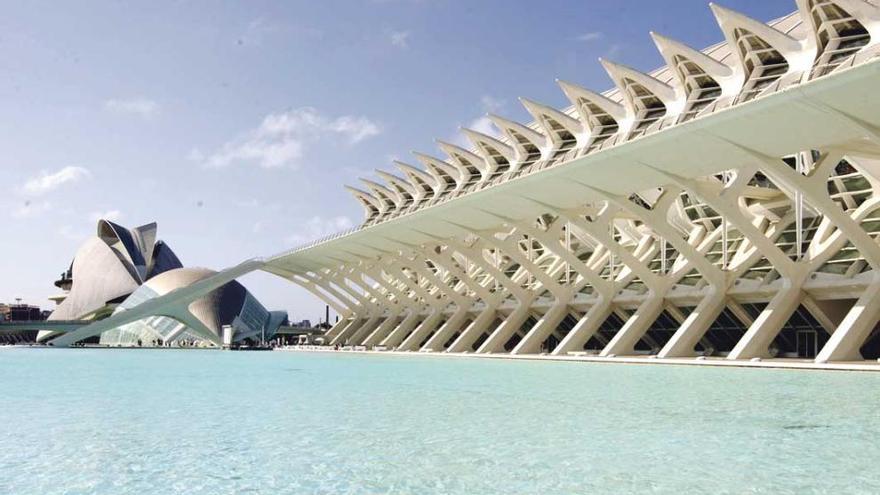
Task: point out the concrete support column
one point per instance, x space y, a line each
531 343
585 328
357 336
400 332
694 326
856 325
508 327
636 325
656 219
339 327
534 336
761 333
346 306
634 329
478 327
391 321
454 323
725 200
483 319
366 310
437 305
463 304
389 310
421 332
503 331
548 324
855 328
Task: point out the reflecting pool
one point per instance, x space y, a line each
100 421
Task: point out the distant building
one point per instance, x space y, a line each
20 313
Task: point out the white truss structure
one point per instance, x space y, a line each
726 205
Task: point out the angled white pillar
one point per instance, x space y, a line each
725 201
850 334
406 326
414 341
510 324
445 258
656 219
549 322
369 299
587 328
464 306
388 310
510 247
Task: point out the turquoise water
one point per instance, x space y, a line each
209 422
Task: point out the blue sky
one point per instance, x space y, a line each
234 125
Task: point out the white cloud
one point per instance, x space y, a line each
356 129
47 182
281 139
483 124
318 227
591 36
137 106
400 39
112 215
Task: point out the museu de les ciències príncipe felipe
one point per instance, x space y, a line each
724 207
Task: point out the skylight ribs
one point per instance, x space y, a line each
648 101
601 116
496 155
388 200
756 59
446 175
702 80
423 184
765 54
471 166
405 192
564 131
528 144
837 34
369 203
763 64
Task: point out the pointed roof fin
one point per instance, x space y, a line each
730 20
669 48
578 95
462 158
623 76
551 119
486 143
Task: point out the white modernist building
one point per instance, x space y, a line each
727 204
119 272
